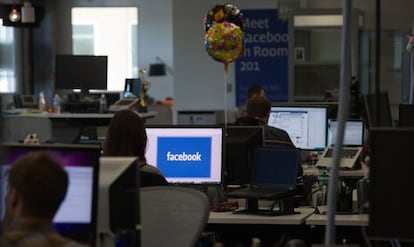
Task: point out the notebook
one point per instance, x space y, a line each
274 174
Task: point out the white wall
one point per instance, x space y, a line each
155 35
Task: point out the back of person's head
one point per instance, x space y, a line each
258 107
126 135
255 90
41 183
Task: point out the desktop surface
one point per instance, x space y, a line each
230 218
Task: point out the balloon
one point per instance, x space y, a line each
224 42
223 12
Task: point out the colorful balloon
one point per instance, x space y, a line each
224 42
221 13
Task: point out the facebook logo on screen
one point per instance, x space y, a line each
184 156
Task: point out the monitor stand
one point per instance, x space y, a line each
286 207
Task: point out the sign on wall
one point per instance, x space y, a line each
265 58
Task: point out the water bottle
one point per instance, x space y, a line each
56 104
42 102
102 103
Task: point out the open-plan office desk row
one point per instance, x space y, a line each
306 225
66 127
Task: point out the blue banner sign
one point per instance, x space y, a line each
265 58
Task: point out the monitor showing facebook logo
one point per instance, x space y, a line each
186 154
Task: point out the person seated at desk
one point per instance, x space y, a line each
37 185
252 91
258 111
126 136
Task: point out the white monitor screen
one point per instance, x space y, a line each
306 125
353 135
189 155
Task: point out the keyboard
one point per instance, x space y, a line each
345 153
261 192
349 158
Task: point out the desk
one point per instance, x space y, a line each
349 228
230 218
233 229
68 127
312 170
90 116
340 220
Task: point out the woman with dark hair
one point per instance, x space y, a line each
126 136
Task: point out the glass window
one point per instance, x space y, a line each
7 59
109 31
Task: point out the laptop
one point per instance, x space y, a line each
352 144
274 174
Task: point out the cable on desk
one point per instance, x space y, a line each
365 236
395 243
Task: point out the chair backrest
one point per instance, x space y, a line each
164 115
172 216
16 128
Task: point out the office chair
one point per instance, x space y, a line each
172 216
16 128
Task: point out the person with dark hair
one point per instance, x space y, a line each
258 112
37 185
255 90
126 136
252 91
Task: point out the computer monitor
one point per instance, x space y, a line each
81 72
353 135
306 125
187 154
76 217
390 192
406 115
132 88
118 199
374 117
241 143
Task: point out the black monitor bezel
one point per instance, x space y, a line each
406 115
374 118
389 191
254 132
65 78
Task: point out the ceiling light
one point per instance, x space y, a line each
14 15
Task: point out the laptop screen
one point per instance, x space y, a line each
276 167
76 217
187 154
306 125
353 135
